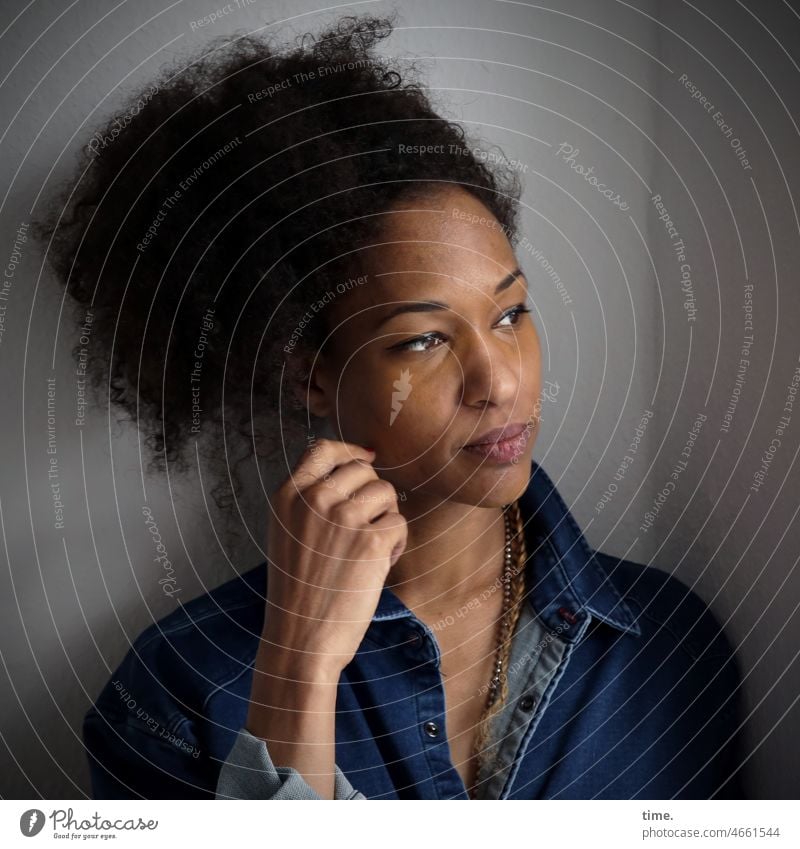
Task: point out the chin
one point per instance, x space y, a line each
492 484
464 478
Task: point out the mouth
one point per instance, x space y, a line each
502 445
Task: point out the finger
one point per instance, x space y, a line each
340 487
378 497
395 528
345 480
321 458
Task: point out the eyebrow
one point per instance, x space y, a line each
431 306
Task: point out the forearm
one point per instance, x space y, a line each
293 709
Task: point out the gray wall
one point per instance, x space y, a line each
601 77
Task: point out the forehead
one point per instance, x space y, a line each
444 246
450 226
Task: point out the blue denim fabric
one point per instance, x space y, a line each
536 656
625 686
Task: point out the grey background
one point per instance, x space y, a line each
600 76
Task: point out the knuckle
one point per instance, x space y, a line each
344 512
314 497
367 467
401 523
373 542
389 492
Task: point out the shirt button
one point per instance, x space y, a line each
526 703
431 729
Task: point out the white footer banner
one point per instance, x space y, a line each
385 824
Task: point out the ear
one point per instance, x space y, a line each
309 384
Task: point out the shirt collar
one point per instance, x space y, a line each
566 581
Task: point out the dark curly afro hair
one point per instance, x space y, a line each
206 216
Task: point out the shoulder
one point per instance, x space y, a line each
664 604
220 613
176 665
149 734
685 673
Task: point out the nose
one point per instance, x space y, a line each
491 372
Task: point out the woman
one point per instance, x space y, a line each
429 622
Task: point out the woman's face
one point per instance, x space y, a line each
418 383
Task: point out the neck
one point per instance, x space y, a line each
453 553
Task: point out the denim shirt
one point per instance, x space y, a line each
622 685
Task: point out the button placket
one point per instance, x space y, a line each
552 662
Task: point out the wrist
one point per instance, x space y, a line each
275 657
285 701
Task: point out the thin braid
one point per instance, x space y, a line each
517 597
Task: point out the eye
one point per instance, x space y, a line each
514 312
419 340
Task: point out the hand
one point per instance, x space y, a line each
334 534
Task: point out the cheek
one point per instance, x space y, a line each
406 403
376 404
402 412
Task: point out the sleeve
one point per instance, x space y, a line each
248 773
130 760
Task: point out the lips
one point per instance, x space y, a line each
498 434
502 444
